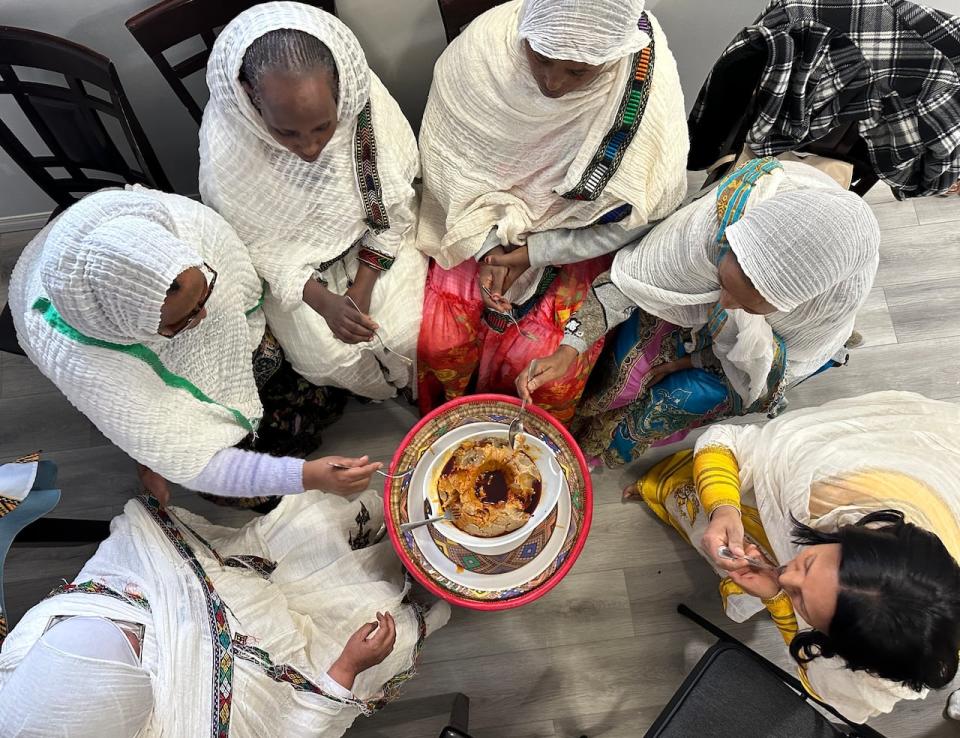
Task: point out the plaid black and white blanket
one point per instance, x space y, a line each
889 65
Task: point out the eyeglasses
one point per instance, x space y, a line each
192 319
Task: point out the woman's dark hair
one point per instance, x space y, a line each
898 606
287 50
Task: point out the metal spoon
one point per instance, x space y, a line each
516 427
376 335
510 316
448 514
724 552
378 471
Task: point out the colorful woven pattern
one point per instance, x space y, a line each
497 409
498 563
375 259
287 674
368 176
91 587
632 106
221 639
263 567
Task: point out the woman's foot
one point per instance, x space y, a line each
631 493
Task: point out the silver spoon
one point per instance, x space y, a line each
448 514
724 552
516 427
510 316
378 471
376 335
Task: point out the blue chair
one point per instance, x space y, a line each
26 524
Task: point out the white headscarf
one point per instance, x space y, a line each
109 264
105 265
883 434
810 248
588 31
64 688
497 152
292 214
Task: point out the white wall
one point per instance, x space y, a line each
402 39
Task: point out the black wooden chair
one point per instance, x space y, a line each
73 119
161 27
734 692
8 333
457 14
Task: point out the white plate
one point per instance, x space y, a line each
551 476
508 580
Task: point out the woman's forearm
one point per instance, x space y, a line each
233 472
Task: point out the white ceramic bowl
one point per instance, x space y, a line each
550 485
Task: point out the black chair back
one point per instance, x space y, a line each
169 23
72 117
457 14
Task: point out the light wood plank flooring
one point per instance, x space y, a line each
604 651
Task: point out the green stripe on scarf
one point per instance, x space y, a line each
141 352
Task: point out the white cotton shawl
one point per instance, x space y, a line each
91 263
809 247
294 215
588 31
321 592
497 152
780 461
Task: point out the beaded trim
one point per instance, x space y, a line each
614 145
368 177
375 259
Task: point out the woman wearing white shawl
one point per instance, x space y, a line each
879 589
309 158
144 310
184 629
553 131
721 308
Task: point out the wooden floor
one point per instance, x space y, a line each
603 652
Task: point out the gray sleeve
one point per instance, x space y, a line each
569 246
604 308
236 473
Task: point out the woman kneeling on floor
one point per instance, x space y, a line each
852 511
291 626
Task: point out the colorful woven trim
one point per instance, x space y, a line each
499 322
615 144
286 674
263 567
734 193
375 259
91 587
4 628
220 636
368 177
144 354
